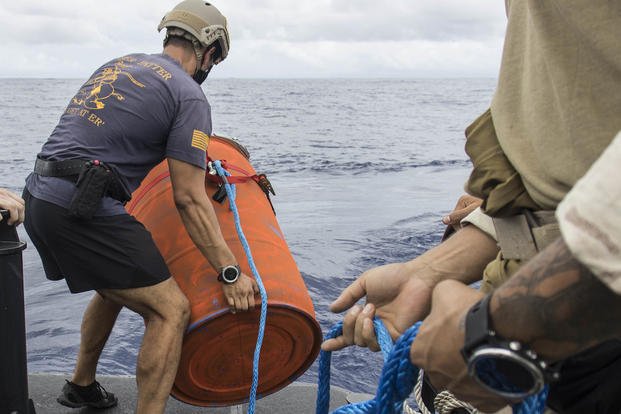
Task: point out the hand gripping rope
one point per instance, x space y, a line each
397 379
231 193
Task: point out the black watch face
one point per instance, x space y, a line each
506 375
230 274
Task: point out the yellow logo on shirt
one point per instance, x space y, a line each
200 140
102 85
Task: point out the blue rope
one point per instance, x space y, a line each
535 404
231 194
397 380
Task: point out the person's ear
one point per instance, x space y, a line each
208 58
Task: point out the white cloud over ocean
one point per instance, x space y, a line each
270 38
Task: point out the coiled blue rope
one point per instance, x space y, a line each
397 380
231 194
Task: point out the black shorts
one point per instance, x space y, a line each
111 252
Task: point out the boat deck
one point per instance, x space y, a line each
297 398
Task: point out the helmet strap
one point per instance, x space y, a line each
201 75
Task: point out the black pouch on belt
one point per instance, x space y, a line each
92 185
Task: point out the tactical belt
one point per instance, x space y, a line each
522 236
59 168
94 180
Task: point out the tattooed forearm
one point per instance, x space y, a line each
556 305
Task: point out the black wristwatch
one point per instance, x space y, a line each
229 274
507 368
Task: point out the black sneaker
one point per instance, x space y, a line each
93 395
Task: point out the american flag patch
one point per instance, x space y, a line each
200 140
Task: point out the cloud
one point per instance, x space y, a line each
366 20
276 59
270 38
72 22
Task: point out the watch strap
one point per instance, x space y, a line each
477 326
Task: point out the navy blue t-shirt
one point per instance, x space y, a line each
132 113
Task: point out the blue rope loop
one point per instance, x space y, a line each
397 380
535 404
232 194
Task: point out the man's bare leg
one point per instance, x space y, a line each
166 312
97 323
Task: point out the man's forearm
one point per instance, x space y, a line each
198 214
203 228
462 257
556 305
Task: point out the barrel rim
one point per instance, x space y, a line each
317 339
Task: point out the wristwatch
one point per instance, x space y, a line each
229 274
506 368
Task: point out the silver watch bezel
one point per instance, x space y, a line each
223 272
507 354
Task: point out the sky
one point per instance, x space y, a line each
269 38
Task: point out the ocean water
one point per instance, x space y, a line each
363 171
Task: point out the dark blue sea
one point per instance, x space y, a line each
363 171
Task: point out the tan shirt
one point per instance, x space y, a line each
558 100
590 221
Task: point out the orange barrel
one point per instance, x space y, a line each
218 348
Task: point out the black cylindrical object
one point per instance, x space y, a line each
13 370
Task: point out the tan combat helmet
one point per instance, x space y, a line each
202 21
